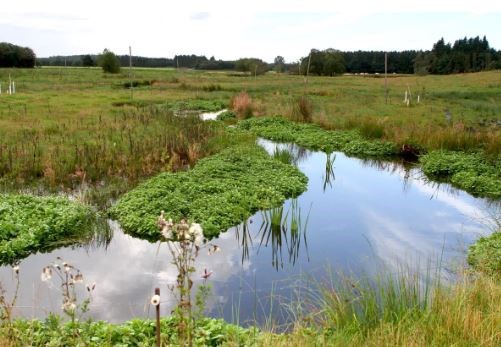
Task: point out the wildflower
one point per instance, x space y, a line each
78 278
66 266
165 226
197 234
16 269
155 300
206 274
69 305
46 273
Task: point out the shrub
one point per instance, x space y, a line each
302 110
109 62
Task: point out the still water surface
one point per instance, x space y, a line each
354 215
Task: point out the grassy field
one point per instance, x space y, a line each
68 125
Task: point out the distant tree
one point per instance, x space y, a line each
279 64
251 65
329 62
87 60
16 56
109 62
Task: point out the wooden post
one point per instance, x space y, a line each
130 73
157 308
308 68
386 76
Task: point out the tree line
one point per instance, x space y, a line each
464 55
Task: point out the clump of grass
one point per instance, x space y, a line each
302 109
212 87
137 84
402 309
369 127
283 155
485 254
226 116
219 192
242 105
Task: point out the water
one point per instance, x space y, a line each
354 215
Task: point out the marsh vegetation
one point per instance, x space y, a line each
79 133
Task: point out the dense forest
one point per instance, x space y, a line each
465 55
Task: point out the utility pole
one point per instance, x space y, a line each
386 76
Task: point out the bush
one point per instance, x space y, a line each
109 62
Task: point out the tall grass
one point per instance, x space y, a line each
243 105
396 310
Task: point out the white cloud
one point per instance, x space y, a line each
229 30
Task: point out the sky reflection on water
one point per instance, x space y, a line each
359 213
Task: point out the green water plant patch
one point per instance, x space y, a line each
31 224
138 332
468 171
219 192
485 254
312 136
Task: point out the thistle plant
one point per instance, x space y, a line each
70 277
185 241
6 305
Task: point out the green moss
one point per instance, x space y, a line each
35 224
485 254
312 136
468 171
219 192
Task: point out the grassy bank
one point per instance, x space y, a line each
402 310
30 224
219 192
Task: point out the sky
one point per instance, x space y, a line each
234 29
